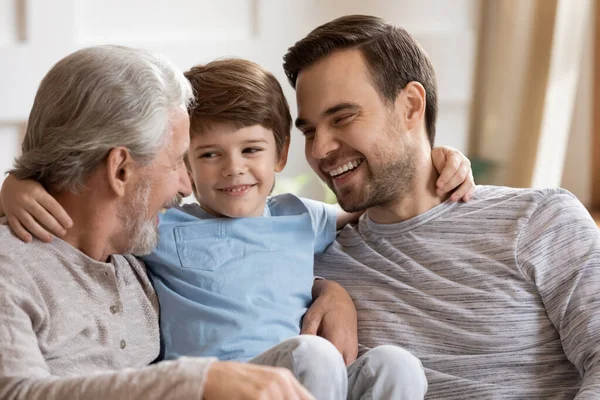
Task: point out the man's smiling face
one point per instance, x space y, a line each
354 138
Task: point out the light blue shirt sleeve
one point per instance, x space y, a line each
324 218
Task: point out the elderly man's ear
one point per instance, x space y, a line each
120 170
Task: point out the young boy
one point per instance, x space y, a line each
234 272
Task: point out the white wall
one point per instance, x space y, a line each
577 172
34 34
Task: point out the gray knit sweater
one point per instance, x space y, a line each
75 328
499 297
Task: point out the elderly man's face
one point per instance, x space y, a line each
157 189
354 139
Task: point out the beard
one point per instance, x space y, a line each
141 233
387 185
388 182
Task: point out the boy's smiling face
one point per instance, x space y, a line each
233 169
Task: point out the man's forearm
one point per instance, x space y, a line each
322 285
333 316
180 379
318 285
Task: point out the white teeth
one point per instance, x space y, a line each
240 189
346 167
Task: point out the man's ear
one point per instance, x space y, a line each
283 155
119 169
411 102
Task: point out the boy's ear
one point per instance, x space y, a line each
283 156
120 170
189 172
188 168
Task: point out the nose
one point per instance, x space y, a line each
324 142
185 185
234 165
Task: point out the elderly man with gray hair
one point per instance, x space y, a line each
107 136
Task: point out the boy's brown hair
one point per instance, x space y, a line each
239 92
393 57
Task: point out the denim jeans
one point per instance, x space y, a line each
383 373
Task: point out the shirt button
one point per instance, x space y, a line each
123 344
114 309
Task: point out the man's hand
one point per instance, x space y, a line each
239 381
333 317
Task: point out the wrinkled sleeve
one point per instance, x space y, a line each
559 250
323 217
24 373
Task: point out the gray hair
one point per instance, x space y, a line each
94 100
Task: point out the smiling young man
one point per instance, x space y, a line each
499 296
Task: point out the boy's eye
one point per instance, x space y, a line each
208 155
252 150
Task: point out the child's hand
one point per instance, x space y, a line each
32 211
455 173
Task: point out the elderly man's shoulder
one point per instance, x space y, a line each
43 259
19 261
17 257
10 245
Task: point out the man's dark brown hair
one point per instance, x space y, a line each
393 57
239 92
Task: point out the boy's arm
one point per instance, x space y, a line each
559 250
31 210
344 218
324 222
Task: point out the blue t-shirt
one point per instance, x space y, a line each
234 287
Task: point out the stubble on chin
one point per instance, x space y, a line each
140 234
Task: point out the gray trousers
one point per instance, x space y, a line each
383 373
